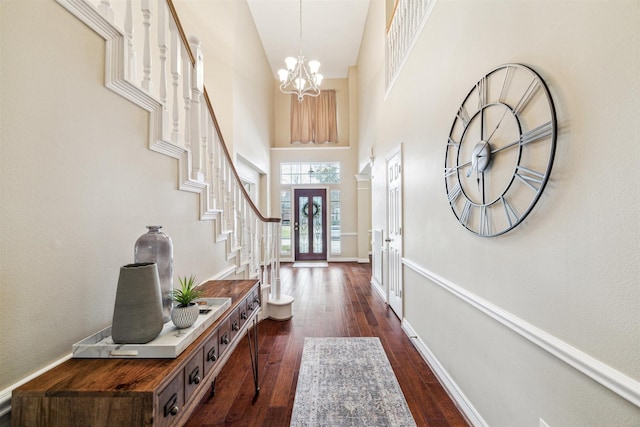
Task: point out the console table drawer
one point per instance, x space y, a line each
253 301
211 352
193 374
170 402
244 313
224 335
235 322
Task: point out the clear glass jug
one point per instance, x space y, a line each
155 246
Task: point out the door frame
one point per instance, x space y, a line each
393 241
295 253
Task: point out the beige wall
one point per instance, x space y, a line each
79 185
283 114
571 269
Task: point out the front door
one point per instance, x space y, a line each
310 230
394 249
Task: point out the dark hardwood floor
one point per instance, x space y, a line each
333 301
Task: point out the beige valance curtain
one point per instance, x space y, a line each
313 121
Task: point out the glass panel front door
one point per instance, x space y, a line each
310 224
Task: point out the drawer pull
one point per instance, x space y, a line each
211 355
171 407
243 315
194 377
225 339
235 325
250 306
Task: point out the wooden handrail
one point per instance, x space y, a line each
393 15
185 41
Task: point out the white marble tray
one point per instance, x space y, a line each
169 344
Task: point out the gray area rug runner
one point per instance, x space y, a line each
348 382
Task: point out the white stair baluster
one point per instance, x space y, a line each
163 48
197 87
186 93
217 172
211 141
105 9
204 116
175 58
128 29
146 53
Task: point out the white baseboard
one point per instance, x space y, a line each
458 397
5 395
378 288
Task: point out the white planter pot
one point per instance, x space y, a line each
183 317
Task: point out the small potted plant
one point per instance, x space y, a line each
185 312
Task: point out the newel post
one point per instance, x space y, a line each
279 305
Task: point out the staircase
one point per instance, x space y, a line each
150 62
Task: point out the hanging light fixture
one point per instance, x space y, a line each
300 77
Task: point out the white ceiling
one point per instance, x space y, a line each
331 31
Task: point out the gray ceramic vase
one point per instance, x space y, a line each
137 315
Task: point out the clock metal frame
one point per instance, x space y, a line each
500 150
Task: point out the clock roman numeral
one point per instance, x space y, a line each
537 134
481 87
505 85
452 143
454 193
464 116
466 211
484 221
530 177
450 171
510 212
526 96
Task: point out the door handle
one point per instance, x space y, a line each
388 240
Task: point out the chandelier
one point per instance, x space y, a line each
300 78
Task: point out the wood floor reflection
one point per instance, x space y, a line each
329 302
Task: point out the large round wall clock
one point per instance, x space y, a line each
500 150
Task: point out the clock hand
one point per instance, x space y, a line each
486 143
474 164
498 125
448 171
452 168
482 124
497 150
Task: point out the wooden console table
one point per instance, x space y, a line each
142 392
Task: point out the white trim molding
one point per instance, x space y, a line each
619 383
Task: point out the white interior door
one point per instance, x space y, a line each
394 239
